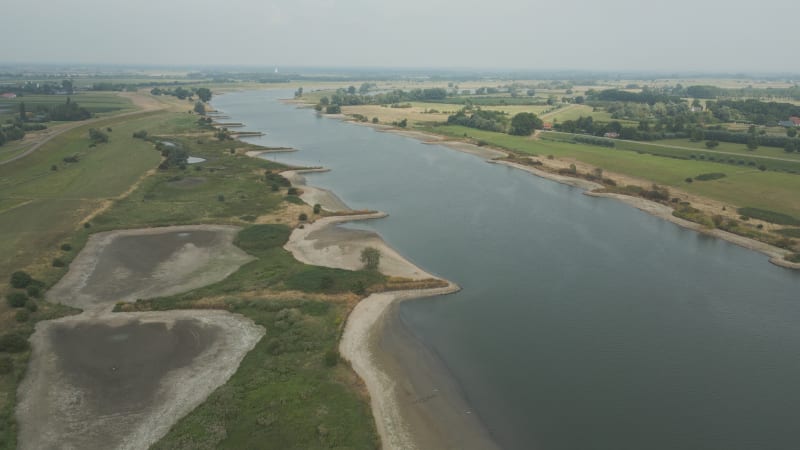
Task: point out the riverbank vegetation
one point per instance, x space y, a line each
123 183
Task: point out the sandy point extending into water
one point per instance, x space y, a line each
440 420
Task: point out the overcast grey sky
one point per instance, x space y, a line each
679 35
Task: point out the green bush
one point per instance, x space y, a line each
23 315
13 343
303 217
31 305
6 365
34 291
709 176
317 208
16 299
66 247
331 358
20 279
58 262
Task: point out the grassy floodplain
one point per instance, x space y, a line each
744 185
291 391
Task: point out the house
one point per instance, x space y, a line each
547 126
792 122
611 135
8 95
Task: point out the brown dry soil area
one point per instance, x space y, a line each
121 380
123 266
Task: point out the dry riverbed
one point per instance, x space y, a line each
121 380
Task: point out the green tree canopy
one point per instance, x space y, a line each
524 123
204 94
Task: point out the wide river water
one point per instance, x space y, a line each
583 323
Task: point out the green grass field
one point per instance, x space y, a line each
95 102
743 185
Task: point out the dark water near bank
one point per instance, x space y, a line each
583 323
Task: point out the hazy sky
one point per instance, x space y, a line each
678 35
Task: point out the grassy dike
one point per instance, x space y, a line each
291 391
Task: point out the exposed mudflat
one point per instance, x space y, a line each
122 380
128 265
103 380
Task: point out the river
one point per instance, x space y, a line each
583 323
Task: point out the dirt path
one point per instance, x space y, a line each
144 105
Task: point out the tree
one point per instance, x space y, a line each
752 142
791 132
200 108
524 123
204 94
351 90
68 87
299 92
711 144
23 116
371 258
403 123
333 109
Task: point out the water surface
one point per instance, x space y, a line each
583 323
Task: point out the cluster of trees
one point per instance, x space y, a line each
714 92
522 124
29 87
647 95
11 133
174 155
349 96
481 119
755 111
751 138
204 94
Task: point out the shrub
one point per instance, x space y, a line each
331 358
220 198
34 291
317 208
31 306
22 315
709 176
20 279
141 134
292 191
54 168
371 257
303 217
688 179
16 299
66 247
6 365
87 225
58 262
13 343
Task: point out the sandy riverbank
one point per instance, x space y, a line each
706 205
416 407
